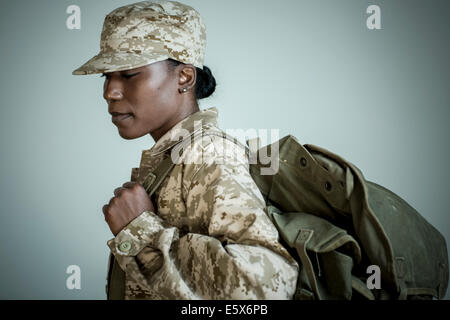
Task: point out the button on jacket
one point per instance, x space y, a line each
211 237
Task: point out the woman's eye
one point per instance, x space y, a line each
128 76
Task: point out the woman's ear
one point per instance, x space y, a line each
187 77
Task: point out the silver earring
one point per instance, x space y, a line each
182 90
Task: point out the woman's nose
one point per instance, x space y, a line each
112 90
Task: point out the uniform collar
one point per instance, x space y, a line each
185 129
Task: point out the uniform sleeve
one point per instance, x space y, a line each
240 257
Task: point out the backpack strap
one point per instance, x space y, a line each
154 179
151 183
302 239
115 288
116 278
226 136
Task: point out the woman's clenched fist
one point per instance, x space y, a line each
129 201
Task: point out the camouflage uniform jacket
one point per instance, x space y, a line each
211 237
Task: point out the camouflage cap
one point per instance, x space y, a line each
146 32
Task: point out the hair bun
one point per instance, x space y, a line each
205 84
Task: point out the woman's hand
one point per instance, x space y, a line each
129 201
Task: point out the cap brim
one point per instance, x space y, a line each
118 61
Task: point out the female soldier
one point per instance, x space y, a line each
207 236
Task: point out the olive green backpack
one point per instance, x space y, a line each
338 226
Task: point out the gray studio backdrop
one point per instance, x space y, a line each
379 98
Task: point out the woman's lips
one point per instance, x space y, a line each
119 117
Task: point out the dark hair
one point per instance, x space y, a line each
205 84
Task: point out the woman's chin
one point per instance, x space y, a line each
127 135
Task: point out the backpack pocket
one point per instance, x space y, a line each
327 254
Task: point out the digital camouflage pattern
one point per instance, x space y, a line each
211 237
146 32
